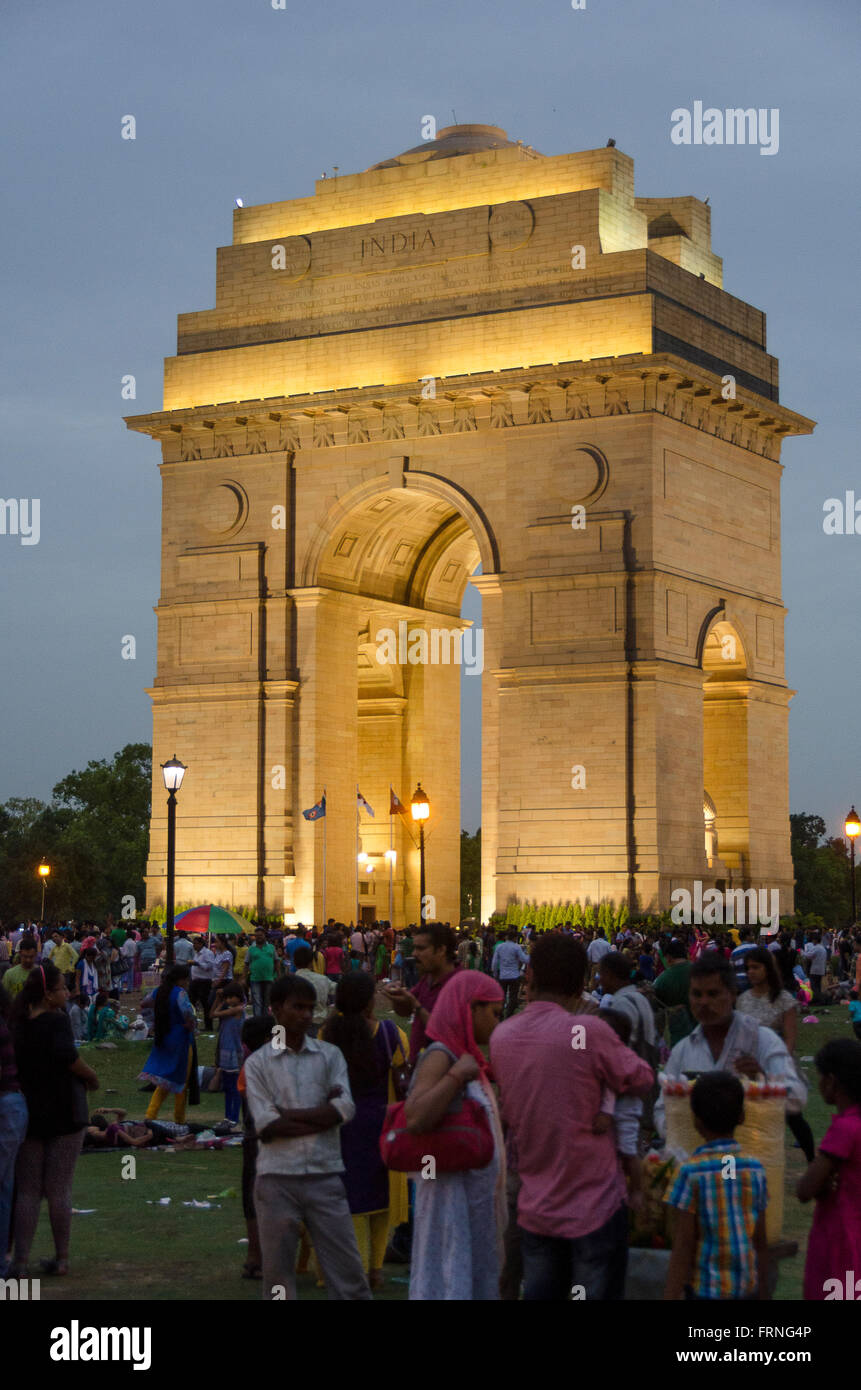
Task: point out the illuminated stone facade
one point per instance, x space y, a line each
472 354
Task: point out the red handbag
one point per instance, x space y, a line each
461 1140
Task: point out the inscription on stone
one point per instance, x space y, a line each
395 242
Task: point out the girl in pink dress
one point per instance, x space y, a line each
834 1178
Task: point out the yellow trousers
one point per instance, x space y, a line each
372 1237
180 1098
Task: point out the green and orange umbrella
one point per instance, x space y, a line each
209 918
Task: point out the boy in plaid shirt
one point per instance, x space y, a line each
719 1242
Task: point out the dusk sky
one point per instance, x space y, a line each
106 240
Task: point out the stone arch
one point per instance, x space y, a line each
378 601
459 515
720 622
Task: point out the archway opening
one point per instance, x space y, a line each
725 754
401 559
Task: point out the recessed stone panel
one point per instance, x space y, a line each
223 637
573 615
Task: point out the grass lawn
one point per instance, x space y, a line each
130 1250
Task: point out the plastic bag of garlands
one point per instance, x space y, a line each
761 1136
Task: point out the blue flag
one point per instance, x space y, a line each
316 811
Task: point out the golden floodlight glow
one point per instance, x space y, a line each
43 870
438 186
853 825
395 356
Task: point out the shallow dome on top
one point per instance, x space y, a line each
453 140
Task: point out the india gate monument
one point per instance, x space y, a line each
472 363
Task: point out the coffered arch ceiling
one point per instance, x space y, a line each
402 545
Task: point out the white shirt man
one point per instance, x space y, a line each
596 949
203 965
816 958
508 960
298 1173
278 1078
745 1038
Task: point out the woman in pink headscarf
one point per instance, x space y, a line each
458 1218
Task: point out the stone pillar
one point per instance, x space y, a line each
432 715
768 791
491 620
326 647
277 830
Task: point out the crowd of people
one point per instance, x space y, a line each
498 1146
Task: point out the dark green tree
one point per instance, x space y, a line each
470 874
93 834
822 882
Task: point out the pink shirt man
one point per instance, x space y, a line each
552 1067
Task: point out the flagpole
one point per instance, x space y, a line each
325 819
391 862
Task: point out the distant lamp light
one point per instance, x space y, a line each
852 826
43 871
173 773
420 809
391 855
362 857
239 203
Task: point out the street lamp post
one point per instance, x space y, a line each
173 773
420 808
43 871
853 830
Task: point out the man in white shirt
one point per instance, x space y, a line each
728 1041
507 962
51 945
594 951
816 960
202 973
298 1093
128 951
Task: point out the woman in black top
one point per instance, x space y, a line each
54 1081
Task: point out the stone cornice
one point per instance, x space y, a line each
223 692
552 393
